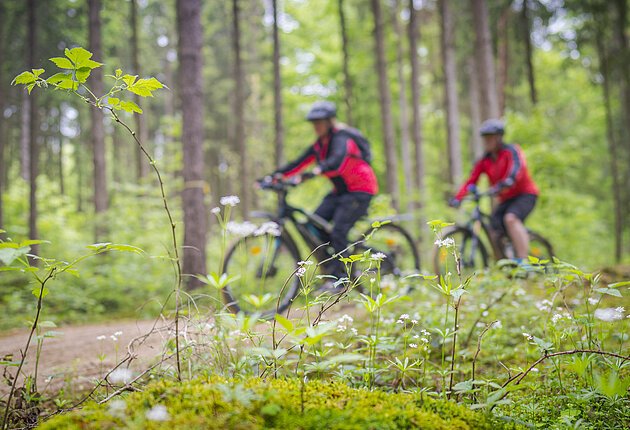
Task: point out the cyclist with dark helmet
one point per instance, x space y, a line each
337 154
505 166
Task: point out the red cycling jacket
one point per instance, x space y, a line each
506 171
339 157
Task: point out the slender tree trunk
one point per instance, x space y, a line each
142 168
416 119
503 56
347 80
190 35
78 154
239 105
32 127
529 63
485 65
450 87
277 90
98 133
25 136
386 106
476 146
405 150
62 184
612 148
3 127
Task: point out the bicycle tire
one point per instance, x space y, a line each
539 247
401 255
471 259
260 276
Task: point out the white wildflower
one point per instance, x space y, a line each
498 324
345 318
528 336
120 376
379 256
556 318
424 340
215 210
609 314
305 263
593 300
329 344
101 337
449 241
413 345
114 338
301 271
400 322
354 331
424 332
416 336
230 200
544 306
241 229
268 227
341 328
414 322
404 317
118 333
621 310
158 413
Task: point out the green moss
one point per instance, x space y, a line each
254 404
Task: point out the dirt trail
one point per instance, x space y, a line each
71 360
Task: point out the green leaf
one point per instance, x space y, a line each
9 254
129 79
609 291
145 87
130 107
37 72
284 322
118 73
113 101
23 78
62 63
30 87
83 73
59 77
78 56
619 284
36 291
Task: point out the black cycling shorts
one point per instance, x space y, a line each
521 206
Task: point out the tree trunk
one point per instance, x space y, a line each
503 56
604 68
476 146
528 52
25 136
3 121
98 133
386 106
142 168
239 105
190 35
32 127
347 80
405 150
450 88
416 119
485 65
277 90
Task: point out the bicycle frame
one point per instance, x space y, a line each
480 222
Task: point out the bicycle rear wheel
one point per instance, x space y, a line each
263 267
469 247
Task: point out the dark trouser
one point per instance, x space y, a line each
521 206
343 210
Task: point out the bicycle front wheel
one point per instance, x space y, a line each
539 247
260 269
470 249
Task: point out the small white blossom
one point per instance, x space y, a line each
414 322
268 227
101 337
621 310
424 340
114 338
404 317
498 324
118 333
609 314
556 318
528 336
230 200
484 313
379 256
593 300
345 318
329 344
400 322
120 375
416 336
544 306
449 241
301 271
354 331
158 413
413 345
341 328
305 263
241 229
215 210
424 332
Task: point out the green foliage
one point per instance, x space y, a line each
212 403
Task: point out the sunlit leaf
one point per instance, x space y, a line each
62 63
23 78
130 107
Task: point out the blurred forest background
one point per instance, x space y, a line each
417 77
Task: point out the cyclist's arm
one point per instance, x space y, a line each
472 180
337 151
299 164
515 167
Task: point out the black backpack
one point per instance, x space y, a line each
360 140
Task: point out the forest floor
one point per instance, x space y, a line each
76 355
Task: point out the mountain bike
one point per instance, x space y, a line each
473 249
262 266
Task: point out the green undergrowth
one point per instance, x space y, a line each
213 403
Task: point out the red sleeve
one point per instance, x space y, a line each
472 180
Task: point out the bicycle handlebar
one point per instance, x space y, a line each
279 184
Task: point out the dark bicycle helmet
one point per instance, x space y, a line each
492 126
322 110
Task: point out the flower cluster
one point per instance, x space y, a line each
230 200
448 242
610 314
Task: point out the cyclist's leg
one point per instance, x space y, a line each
351 207
514 219
326 208
497 229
